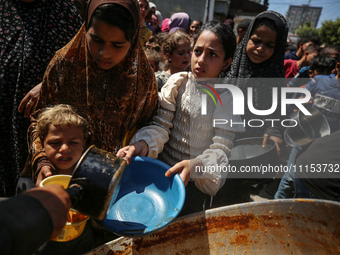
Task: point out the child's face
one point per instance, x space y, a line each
153 64
194 27
180 58
207 60
261 44
64 146
310 56
107 44
144 8
313 73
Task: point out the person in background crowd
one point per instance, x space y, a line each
165 25
152 7
145 31
171 135
148 20
292 67
179 20
195 27
302 44
153 44
324 152
153 58
30 33
160 17
242 28
230 22
325 89
177 52
155 24
332 51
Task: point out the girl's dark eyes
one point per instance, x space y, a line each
117 46
256 40
54 143
96 39
197 51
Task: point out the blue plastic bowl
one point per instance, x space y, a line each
147 200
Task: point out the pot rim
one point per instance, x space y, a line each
252 157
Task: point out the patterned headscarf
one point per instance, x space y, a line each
242 67
115 100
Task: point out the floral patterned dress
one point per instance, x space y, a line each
30 34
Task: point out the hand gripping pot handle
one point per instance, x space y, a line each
75 193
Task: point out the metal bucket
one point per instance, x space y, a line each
271 227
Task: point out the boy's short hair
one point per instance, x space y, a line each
312 48
331 50
60 115
306 39
323 64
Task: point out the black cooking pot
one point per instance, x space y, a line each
95 182
250 160
308 127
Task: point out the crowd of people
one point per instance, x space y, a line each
78 73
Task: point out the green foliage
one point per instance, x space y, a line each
330 32
307 30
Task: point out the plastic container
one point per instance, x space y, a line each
71 230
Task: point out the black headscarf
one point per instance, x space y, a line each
242 67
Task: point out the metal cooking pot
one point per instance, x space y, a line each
95 182
308 128
248 153
279 227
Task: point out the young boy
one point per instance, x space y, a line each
292 67
63 133
325 89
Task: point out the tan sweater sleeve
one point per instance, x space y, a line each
157 133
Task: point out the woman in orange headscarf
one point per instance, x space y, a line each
103 72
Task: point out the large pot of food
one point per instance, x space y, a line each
271 227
